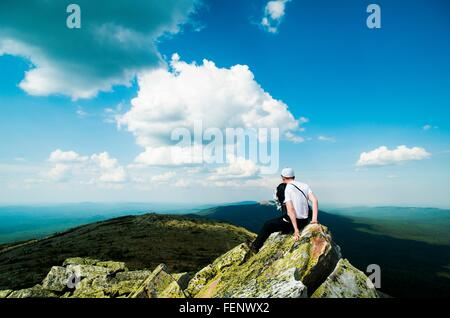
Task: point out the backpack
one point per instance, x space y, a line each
280 198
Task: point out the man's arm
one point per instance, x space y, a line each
291 213
315 203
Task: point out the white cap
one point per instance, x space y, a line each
288 173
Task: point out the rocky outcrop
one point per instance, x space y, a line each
309 267
346 281
282 268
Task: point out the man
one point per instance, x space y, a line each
296 197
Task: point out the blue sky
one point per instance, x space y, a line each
360 89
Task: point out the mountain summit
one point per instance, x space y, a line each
310 267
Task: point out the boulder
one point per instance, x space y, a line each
155 284
34 292
56 279
346 281
282 268
5 293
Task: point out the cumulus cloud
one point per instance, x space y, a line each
164 177
95 169
60 156
185 94
60 172
238 168
109 170
117 40
383 156
273 14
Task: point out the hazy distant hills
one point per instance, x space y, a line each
142 242
411 245
24 222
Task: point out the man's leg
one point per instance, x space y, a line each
271 226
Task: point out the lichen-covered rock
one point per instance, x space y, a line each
346 281
56 279
318 255
95 286
155 284
88 271
176 288
79 261
5 293
132 275
34 292
282 268
232 258
113 266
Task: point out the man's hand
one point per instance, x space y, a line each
296 235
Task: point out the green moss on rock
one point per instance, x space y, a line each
282 268
346 281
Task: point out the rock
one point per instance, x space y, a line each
79 261
124 287
125 283
155 284
183 279
176 288
173 290
318 255
232 258
346 282
92 287
5 293
85 271
34 292
282 268
56 279
132 275
113 266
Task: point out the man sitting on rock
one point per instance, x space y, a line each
296 210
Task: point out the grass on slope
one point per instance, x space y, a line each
183 244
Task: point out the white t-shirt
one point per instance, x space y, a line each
299 201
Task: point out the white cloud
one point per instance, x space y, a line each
187 93
382 156
238 168
164 177
59 156
429 127
325 138
273 14
60 172
171 156
112 46
81 113
109 169
95 169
